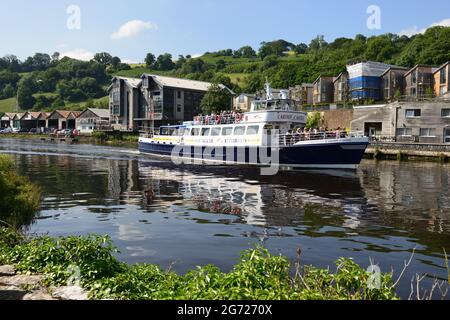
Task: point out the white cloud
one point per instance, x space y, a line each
79 54
415 30
133 28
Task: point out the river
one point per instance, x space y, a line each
158 213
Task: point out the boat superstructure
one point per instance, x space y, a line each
271 133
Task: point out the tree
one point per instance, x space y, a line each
55 56
314 120
181 60
276 48
164 62
7 92
116 62
301 48
216 99
220 64
25 94
246 52
103 58
270 61
318 43
150 60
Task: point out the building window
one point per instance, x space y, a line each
413 113
445 113
442 91
413 91
241 99
427 132
443 75
404 132
178 94
414 77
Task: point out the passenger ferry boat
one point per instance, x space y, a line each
267 135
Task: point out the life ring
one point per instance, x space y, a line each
218 119
238 118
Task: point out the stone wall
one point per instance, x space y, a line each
334 119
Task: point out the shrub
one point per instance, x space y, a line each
19 198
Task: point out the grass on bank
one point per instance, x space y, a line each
257 275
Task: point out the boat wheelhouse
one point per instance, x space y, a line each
271 133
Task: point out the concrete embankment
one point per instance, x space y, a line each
409 151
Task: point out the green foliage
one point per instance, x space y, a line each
150 60
258 275
19 199
216 99
314 120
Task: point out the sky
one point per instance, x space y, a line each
129 29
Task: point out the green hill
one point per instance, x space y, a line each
48 84
7 105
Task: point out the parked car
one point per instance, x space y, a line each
6 130
15 130
24 130
33 131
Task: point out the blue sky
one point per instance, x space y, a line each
195 26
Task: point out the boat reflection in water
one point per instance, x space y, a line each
254 199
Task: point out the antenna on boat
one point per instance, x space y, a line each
268 90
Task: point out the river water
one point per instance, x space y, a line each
158 213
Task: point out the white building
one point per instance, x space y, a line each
92 119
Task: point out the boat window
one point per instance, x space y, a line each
239 131
205 132
195 132
215 132
187 132
227 131
181 131
252 130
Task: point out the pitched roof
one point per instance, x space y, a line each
11 115
395 68
132 82
419 66
183 83
101 113
443 66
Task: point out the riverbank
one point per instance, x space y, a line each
409 151
115 140
258 275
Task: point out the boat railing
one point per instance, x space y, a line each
293 138
234 118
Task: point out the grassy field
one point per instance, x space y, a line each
7 105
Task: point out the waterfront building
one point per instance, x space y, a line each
7 120
341 89
420 121
172 100
442 80
323 90
125 100
92 119
243 102
392 83
61 119
419 82
33 120
302 94
365 80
